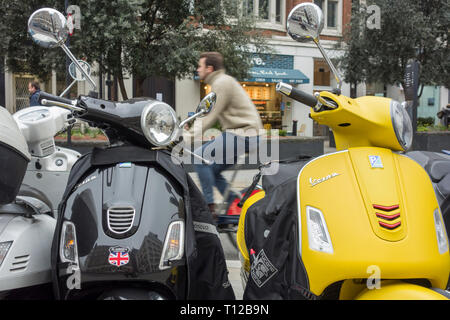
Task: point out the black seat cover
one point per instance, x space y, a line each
444 186
438 169
437 165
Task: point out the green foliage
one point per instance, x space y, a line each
22 55
432 128
425 122
140 37
409 29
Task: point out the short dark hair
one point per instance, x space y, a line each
35 85
214 59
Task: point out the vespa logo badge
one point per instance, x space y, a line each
118 256
314 182
375 162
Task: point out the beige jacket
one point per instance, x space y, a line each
234 109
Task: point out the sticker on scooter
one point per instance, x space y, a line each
375 162
118 256
125 165
262 269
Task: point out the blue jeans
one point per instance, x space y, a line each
211 175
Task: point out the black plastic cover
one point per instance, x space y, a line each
12 170
271 231
207 272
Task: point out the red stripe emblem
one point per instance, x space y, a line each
386 208
386 217
389 226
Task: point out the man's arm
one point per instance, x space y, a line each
34 100
202 124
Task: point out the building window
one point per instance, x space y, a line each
332 12
248 7
322 73
266 11
278 11
263 9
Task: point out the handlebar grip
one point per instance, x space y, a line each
48 96
296 94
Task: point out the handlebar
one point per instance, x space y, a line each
48 96
49 99
297 94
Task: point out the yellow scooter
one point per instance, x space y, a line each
360 223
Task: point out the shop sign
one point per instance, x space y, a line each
276 75
277 61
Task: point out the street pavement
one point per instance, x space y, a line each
243 180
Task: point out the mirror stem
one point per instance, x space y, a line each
68 88
74 60
181 125
333 69
208 162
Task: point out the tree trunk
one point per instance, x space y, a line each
119 73
139 82
353 89
123 90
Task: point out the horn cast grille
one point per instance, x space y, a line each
120 219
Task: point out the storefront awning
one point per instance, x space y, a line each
276 75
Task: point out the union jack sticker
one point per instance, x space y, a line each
118 256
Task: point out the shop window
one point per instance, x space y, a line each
267 102
322 73
265 98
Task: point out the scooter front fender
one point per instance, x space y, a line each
399 290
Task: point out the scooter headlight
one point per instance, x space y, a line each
68 244
440 232
159 123
318 236
402 124
4 248
173 248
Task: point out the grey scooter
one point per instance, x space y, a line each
28 222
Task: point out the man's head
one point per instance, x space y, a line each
33 86
209 62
